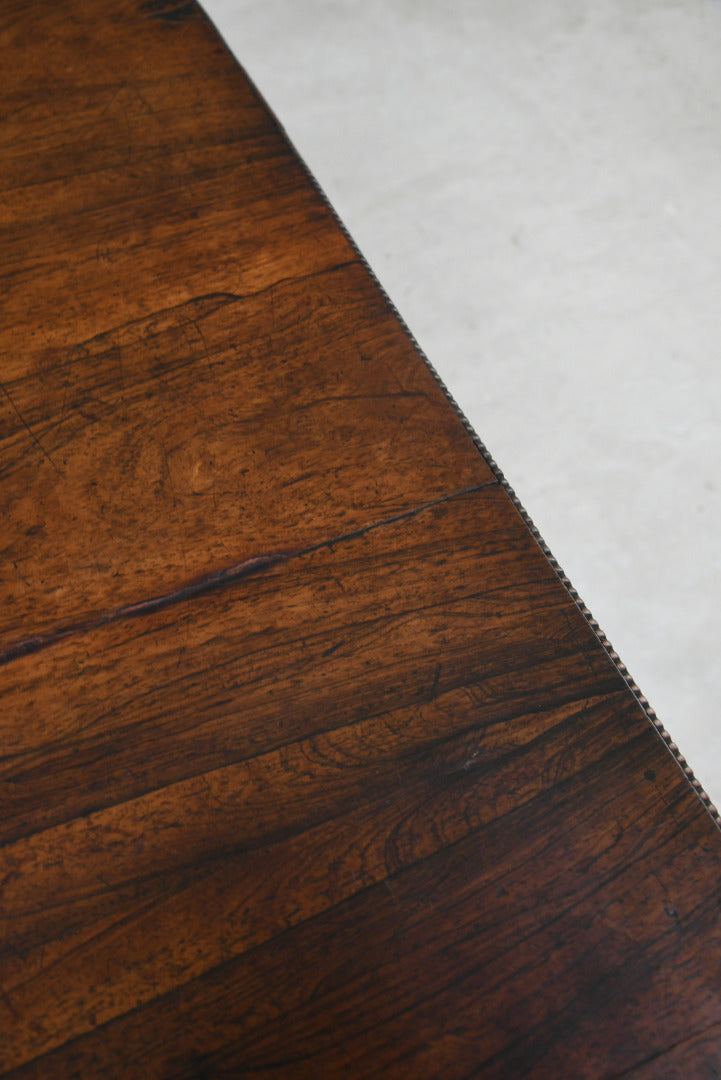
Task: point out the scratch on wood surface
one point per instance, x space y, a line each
29 430
668 1051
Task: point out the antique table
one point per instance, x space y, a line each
313 765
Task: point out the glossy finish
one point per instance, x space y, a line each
311 765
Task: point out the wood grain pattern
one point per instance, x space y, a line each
309 764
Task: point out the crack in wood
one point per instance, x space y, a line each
216 579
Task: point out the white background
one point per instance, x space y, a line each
538 187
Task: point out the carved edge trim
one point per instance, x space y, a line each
498 473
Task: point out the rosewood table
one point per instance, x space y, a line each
313 765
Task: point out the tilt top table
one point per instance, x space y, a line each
312 765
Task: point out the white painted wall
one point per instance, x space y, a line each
538 187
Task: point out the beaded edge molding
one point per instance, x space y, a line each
498 473
570 589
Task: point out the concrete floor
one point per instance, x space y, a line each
538 187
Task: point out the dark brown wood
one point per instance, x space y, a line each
311 766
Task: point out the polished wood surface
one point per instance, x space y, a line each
311 765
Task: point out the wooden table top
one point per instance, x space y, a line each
312 766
